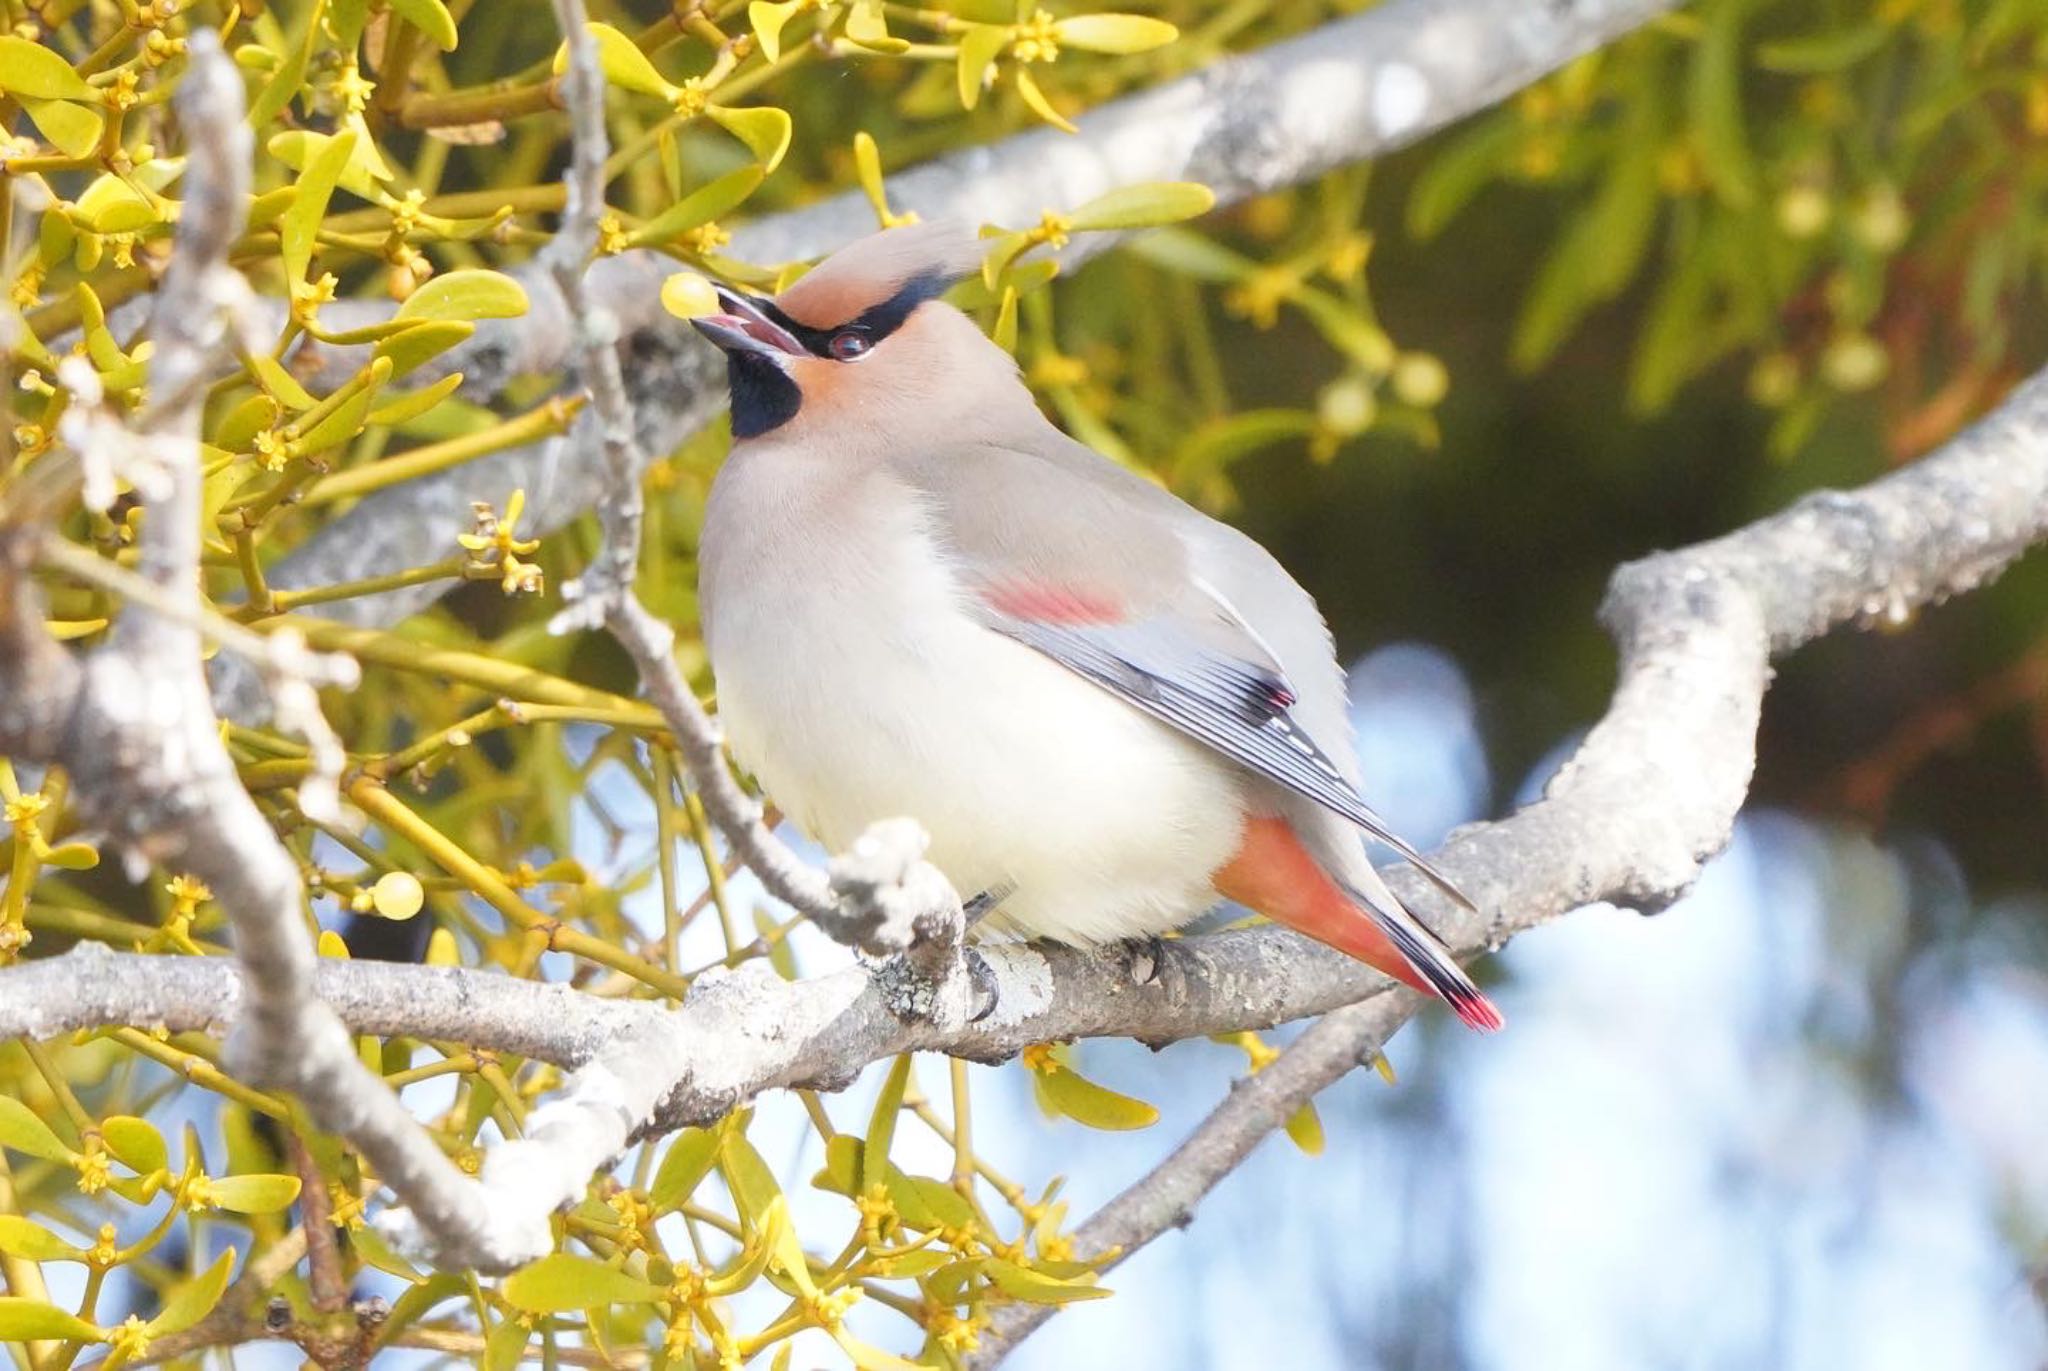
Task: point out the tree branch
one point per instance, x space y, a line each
1650 795
1353 89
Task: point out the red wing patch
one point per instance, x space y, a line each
1052 604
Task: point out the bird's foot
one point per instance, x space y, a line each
986 988
1161 962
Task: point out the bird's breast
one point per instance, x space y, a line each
855 685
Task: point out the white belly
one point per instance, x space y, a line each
860 692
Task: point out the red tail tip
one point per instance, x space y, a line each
1478 1012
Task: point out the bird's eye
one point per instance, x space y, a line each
847 345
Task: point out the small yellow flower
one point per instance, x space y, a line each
125 93
1347 257
494 546
611 234
953 1332
106 1250
1053 229
187 892
691 97
23 810
1037 39
353 90
195 1193
130 1340
274 451
344 1206
705 238
1259 296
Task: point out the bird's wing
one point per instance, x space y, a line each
1063 558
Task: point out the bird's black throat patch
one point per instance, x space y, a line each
763 396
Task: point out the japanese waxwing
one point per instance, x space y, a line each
920 598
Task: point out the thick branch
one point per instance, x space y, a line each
1650 794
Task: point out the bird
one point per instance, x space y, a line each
920 597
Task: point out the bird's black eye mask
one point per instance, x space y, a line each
764 397
873 324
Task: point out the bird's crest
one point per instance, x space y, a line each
924 258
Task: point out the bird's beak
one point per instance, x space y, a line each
745 327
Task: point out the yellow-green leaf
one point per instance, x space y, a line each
111 205
1305 1127
374 1251
882 1124
135 1142
31 1241
781 955
624 65
746 1175
412 347
1825 51
1717 106
685 1165
254 1194
391 894
1040 106
701 206
763 128
430 17
1115 33
271 375
267 208
348 19
30 69
926 1204
25 1320
866 1357
1083 1101
1148 205
194 1300
505 1348
72 857
360 172
786 1248
866 28
767 19
286 82
916 1263
1035 1287
347 418
301 224
238 428
72 129
841 1172
562 1282
1005 331
23 1132
980 45
468 294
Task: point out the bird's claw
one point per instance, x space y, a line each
1160 962
987 990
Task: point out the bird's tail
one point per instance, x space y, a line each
1275 874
